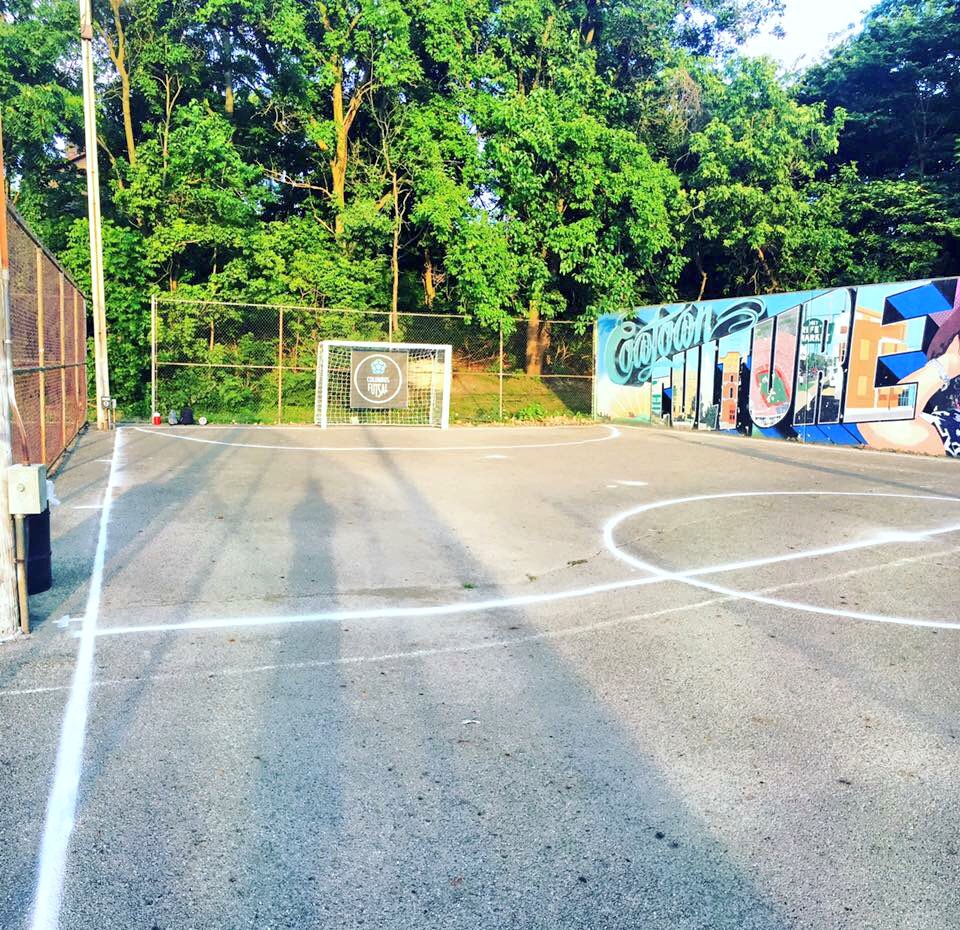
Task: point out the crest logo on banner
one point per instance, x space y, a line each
378 380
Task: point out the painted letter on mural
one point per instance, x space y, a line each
876 365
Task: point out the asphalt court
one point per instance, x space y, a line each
487 677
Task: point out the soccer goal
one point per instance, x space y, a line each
389 383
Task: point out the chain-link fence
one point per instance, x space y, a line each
49 333
256 363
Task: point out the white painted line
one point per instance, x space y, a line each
633 484
494 456
657 573
86 506
691 579
612 433
563 633
382 613
462 428
105 461
62 803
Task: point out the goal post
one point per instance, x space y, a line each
386 383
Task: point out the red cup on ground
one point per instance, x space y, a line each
156 418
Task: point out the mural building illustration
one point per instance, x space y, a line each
877 365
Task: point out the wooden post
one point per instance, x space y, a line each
63 369
9 610
280 371
41 358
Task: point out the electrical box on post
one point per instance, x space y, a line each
27 488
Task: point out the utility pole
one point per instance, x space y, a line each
9 610
101 365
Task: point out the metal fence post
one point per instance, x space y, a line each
500 376
79 351
593 370
63 370
41 359
153 355
280 370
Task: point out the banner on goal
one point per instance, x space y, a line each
388 383
378 380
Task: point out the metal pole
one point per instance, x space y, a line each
9 614
63 367
93 213
593 371
42 358
447 386
153 355
323 360
280 372
500 376
79 352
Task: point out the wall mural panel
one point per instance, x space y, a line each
877 365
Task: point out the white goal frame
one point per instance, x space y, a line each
321 404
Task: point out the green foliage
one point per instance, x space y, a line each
534 411
896 229
128 328
513 162
899 83
755 211
191 192
588 213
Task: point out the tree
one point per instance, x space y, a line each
898 81
191 194
896 229
759 220
42 111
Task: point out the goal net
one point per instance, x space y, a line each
390 383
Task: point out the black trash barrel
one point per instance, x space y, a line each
39 553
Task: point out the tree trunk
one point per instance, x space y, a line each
703 276
774 280
538 341
127 117
338 164
227 69
395 256
118 55
429 285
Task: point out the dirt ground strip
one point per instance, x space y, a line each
585 677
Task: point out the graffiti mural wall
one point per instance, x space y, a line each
877 365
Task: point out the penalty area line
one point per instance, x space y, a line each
656 575
612 433
505 642
62 802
